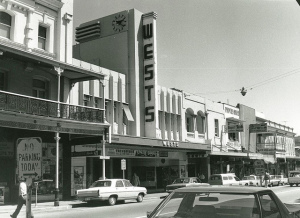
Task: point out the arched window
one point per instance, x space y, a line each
189 118
5 25
200 120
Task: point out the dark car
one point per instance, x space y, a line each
184 182
221 201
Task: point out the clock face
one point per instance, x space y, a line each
119 22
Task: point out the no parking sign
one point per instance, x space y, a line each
29 158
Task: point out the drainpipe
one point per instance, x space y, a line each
57 138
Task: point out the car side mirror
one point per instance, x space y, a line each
148 213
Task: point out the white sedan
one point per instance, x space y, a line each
111 190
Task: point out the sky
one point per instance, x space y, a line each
213 48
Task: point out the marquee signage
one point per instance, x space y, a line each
150 72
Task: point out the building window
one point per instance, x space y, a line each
216 127
115 112
42 37
39 88
189 117
160 119
5 25
86 100
2 81
200 124
97 102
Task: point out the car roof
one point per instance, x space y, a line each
224 189
110 179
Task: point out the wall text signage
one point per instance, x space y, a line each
150 72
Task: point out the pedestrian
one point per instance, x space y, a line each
135 180
21 198
266 178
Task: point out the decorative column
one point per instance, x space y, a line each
29 31
57 138
56 198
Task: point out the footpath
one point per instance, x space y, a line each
63 205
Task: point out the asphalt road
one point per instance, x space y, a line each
132 209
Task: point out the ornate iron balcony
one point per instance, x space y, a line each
46 108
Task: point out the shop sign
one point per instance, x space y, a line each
123 164
150 72
256 128
259 171
131 152
29 158
232 111
170 144
163 154
86 153
235 128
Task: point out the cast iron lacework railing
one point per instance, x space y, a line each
42 107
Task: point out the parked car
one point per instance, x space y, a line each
221 201
251 180
184 182
111 190
294 178
283 180
273 181
224 179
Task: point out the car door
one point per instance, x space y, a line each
121 190
131 191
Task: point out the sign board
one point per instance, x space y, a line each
259 164
105 157
29 158
261 127
123 164
259 171
235 128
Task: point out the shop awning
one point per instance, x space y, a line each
235 119
236 154
127 112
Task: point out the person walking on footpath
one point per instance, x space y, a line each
266 179
21 199
135 180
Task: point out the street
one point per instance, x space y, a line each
133 209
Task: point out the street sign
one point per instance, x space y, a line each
258 164
123 164
29 158
261 127
259 171
105 157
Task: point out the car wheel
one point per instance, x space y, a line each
140 198
297 184
112 200
291 184
246 184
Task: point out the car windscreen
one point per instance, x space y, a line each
204 205
248 178
295 174
101 184
181 180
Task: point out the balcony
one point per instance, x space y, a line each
12 102
261 147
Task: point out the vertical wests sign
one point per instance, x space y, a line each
150 73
